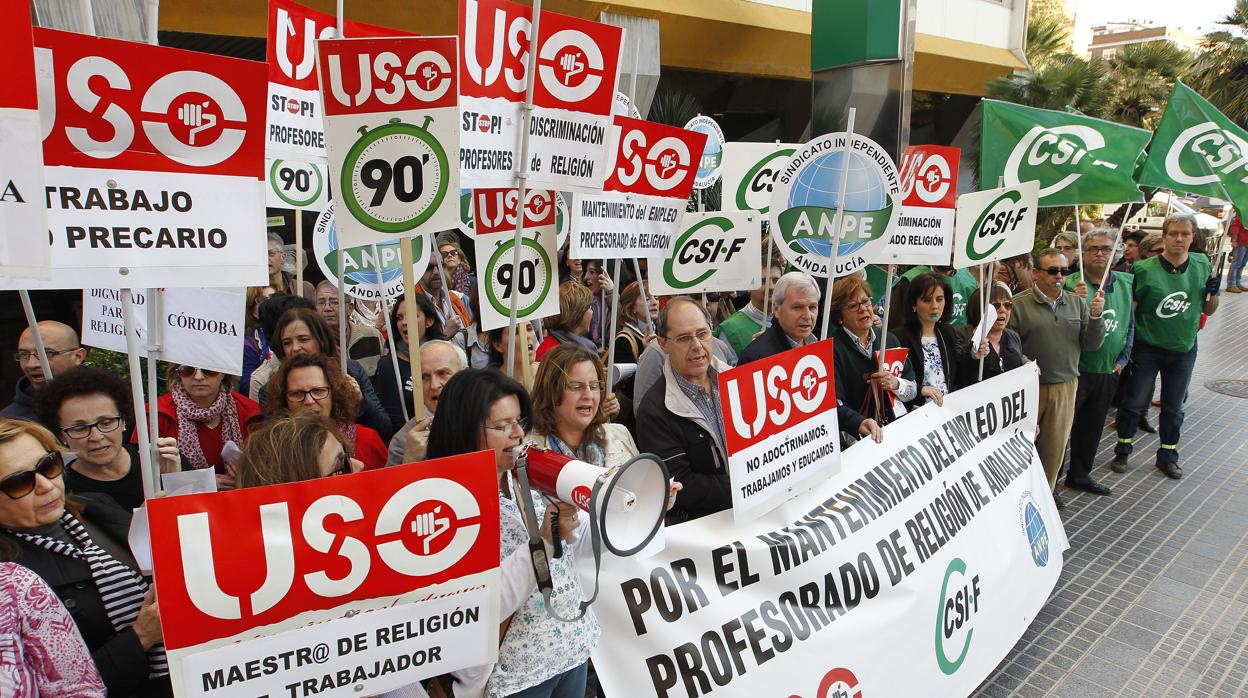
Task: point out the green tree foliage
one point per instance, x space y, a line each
1142 76
1220 71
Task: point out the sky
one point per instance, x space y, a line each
1189 14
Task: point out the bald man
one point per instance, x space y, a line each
60 341
439 360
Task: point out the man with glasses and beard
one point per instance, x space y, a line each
680 419
1056 327
1099 369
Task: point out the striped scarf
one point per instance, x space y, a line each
121 588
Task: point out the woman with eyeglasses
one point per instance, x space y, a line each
387 386
860 384
455 262
78 546
88 409
313 383
936 347
483 410
294 448
205 415
1005 348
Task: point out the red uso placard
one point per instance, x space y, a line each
929 176
495 209
232 562
122 105
894 360
577 64
369 76
654 159
494 44
17 90
293 32
780 426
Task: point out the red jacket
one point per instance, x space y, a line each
1239 232
209 439
369 448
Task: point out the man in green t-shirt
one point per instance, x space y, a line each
1171 291
1098 368
740 328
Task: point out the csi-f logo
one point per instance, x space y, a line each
476 122
955 615
754 192
382 75
781 395
422 530
1061 148
703 248
1110 317
1174 304
1204 153
995 223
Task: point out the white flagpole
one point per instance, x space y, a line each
340 16
413 361
154 324
149 474
645 300
840 220
35 334
888 301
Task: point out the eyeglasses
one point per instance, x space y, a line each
449 253
864 303
1056 271
317 394
1103 249
327 302
104 425
702 336
1003 305
509 427
19 485
22 355
581 387
342 464
188 371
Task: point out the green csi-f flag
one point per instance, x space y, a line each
1077 159
1198 150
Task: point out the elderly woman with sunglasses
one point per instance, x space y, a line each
1005 348
314 383
205 414
88 408
78 546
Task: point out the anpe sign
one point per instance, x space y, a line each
343 586
995 224
643 201
573 96
390 123
929 190
154 164
295 129
712 164
715 252
361 265
201 327
780 427
23 248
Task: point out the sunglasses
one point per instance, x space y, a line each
188 371
1056 271
19 485
1002 305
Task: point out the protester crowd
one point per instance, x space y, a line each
1100 336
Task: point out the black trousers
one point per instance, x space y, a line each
1092 399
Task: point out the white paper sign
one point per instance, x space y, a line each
717 251
202 327
995 224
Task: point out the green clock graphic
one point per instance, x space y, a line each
532 285
389 194
296 183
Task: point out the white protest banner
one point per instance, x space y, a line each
717 251
153 165
295 130
538 282
780 427
711 166
360 264
804 204
202 327
296 184
995 224
929 190
344 586
391 141
912 572
569 128
23 247
639 212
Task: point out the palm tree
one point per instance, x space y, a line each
1220 72
1142 77
1063 81
1047 36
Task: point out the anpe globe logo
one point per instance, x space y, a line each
805 196
360 263
1033 525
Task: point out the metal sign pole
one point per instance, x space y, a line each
413 338
840 220
609 341
888 301
150 476
385 314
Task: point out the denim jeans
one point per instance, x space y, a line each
1175 369
1238 257
569 684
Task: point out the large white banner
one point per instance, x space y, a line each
912 572
201 326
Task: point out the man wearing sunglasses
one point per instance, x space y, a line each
60 342
1099 369
1056 327
1171 291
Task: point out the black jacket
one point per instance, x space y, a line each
852 367
118 655
772 341
23 405
952 346
1010 358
